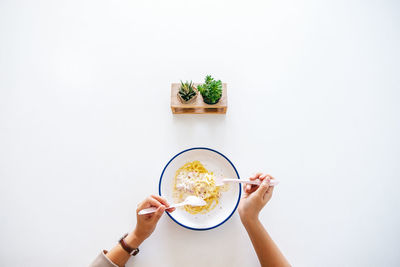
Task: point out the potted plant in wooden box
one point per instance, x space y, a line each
187 92
211 90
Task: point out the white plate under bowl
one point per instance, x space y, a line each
215 162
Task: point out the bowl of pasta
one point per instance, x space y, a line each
196 172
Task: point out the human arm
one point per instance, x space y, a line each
145 226
254 199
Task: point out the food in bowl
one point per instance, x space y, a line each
193 179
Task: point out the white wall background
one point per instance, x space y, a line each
85 125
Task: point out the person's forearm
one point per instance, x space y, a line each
118 255
267 251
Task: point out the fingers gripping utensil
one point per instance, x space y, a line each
190 200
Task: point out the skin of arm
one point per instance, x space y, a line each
254 199
144 228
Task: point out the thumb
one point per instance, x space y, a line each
159 212
262 189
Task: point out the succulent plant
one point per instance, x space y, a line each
211 90
187 91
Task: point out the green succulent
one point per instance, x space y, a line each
187 90
211 90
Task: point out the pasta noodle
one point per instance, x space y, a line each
194 179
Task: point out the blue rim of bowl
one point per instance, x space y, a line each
237 203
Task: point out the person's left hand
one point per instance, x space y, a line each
146 224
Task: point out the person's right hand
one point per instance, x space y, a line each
255 197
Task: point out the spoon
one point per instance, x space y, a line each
255 182
190 200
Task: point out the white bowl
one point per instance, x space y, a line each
221 166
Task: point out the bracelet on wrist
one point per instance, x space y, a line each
127 248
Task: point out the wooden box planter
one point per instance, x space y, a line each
197 106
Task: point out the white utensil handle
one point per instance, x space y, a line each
153 209
177 205
256 182
240 181
147 211
273 182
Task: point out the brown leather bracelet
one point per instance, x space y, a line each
131 251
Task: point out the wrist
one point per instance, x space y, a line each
249 221
133 240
